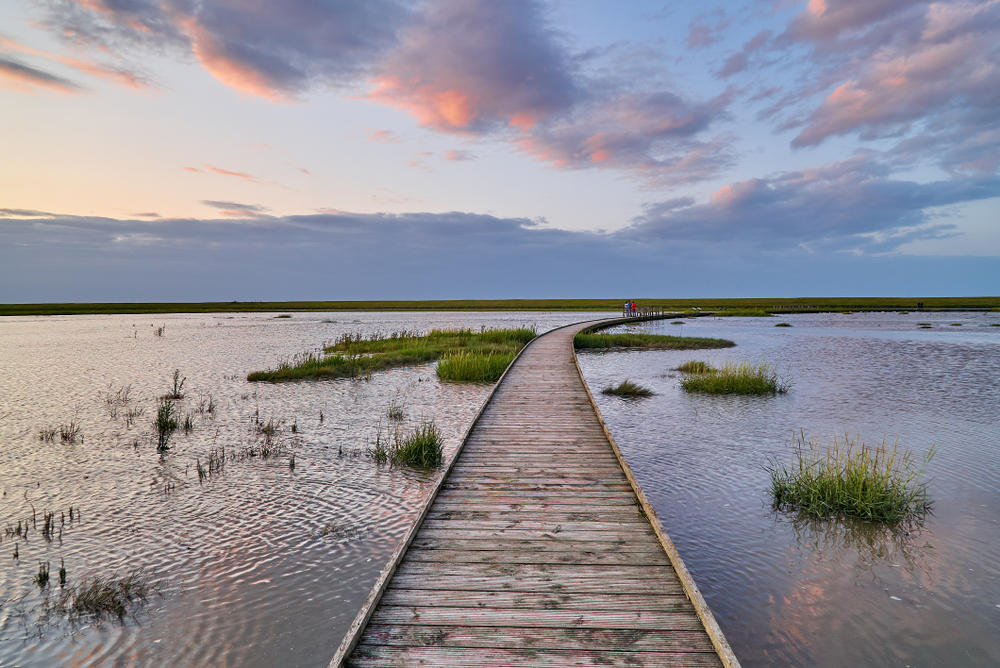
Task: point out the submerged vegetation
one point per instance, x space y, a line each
849 478
628 390
353 355
422 448
165 424
592 341
737 378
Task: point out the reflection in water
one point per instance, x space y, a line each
872 543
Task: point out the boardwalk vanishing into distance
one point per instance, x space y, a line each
537 548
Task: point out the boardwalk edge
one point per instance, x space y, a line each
715 634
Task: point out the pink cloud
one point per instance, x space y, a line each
117 75
384 137
953 61
223 172
458 156
501 68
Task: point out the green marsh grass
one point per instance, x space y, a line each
848 478
695 366
421 448
646 341
469 367
628 390
783 324
737 378
352 356
744 313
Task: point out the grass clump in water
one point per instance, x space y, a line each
695 366
628 390
354 355
422 448
106 597
783 324
737 378
165 424
474 367
876 483
646 341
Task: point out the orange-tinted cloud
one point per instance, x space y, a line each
224 172
117 75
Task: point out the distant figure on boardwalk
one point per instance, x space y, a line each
627 309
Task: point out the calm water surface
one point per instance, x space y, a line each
258 566
797 593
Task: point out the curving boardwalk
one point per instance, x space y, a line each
536 549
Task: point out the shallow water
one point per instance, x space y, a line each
788 592
257 566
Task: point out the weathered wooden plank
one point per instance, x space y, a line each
621 536
447 541
574 585
618 514
515 637
534 557
664 599
544 618
380 656
556 571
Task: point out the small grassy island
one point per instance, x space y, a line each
732 378
591 341
465 355
851 479
628 390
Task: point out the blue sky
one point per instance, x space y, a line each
463 148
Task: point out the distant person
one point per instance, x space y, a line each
625 309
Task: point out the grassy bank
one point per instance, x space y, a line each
646 342
470 355
767 304
849 478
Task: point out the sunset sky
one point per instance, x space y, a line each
334 149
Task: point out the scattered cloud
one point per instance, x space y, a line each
236 209
271 50
455 155
147 214
25 78
384 137
206 168
852 205
115 74
707 29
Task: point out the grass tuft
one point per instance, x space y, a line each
474 367
876 483
422 448
107 597
646 341
783 324
165 424
695 366
737 378
628 390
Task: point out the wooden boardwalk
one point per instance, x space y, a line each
536 550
